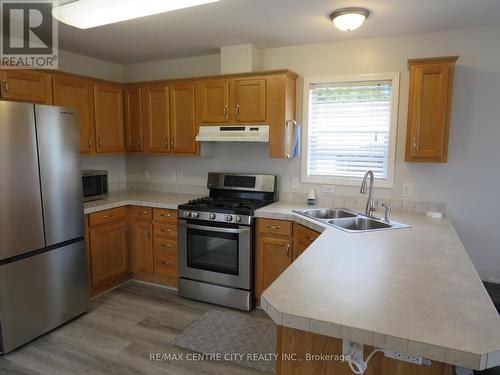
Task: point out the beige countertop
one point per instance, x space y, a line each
411 290
138 198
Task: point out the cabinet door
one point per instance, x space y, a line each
155 114
26 86
213 101
108 252
250 100
429 112
108 108
133 123
182 118
142 248
77 93
273 256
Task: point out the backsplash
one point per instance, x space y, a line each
323 200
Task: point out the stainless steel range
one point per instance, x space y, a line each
215 234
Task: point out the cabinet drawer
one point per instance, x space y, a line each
303 235
277 227
107 216
139 212
165 246
161 214
165 230
166 265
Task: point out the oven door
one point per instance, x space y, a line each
218 254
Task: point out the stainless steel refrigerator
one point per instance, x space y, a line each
43 263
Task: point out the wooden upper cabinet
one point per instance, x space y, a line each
108 109
429 107
133 121
213 101
182 118
250 100
155 115
26 86
77 93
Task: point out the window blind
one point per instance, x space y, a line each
349 128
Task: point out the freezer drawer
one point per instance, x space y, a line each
42 292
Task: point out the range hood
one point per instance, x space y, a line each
233 133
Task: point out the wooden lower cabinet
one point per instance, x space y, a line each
108 252
302 344
142 247
278 244
273 252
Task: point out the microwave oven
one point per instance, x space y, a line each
95 185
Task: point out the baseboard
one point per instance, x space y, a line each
133 280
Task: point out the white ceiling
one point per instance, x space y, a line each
266 23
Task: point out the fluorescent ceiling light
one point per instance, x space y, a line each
348 19
85 14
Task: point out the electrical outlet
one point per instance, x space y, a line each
328 188
407 358
173 176
406 191
353 349
146 174
295 183
180 176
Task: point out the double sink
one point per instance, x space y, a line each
349 221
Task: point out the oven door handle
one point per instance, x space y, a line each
215 229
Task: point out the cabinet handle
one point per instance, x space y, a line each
288 250
165 230
107 216
5 85
166 143
145 212
237 111
139 142
165 262
90 144
164 245
149 233
414 145
225 112
100 142
172 142
165 215
273 226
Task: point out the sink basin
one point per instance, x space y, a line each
327 214
359 223
349 221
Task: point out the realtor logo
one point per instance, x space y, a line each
29 35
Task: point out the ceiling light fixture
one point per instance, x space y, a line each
85 14
348 19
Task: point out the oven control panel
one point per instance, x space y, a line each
215 216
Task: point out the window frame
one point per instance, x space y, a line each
351 181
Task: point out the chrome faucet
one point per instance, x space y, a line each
370 203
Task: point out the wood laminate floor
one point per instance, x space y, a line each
117 336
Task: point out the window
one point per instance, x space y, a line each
350 128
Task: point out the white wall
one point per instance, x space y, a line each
78 64
177 68
468 183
